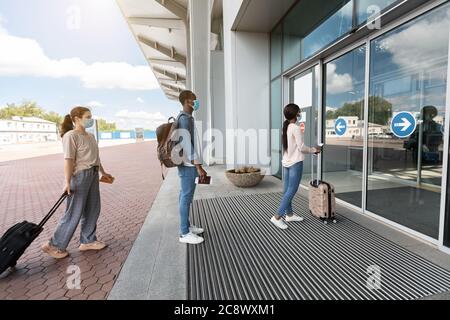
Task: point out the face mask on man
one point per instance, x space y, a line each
88 123
196 105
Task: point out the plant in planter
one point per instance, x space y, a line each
245 177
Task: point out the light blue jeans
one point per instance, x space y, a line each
292 178
187 177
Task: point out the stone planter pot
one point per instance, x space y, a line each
245 180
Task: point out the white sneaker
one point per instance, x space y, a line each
294 218
191 238
196 230
279 223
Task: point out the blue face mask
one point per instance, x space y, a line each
196 105
88 123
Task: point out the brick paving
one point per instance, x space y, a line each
29 188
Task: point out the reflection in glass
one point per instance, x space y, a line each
311 25
344 99
331 29
409 73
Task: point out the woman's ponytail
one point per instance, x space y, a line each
67 125
284 136
290 112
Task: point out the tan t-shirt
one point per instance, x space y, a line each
82 148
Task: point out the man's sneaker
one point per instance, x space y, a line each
294 218
95 246
53 251
191 238
279 223
196 230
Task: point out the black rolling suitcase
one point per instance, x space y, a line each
20 236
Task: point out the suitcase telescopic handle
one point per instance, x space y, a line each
53 209
315 156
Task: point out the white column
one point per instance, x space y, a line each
199 35
247 92
230 10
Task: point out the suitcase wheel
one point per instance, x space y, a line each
335 221
325 221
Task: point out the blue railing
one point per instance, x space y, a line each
120 135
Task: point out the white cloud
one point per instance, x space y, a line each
3 21
25 57
419 44
95 104
140 100
338 83
139 119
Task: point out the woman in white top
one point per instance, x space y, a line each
294 151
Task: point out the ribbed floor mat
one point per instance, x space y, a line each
244 256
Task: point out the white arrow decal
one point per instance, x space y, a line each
340 127
406 124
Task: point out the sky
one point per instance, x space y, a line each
64 53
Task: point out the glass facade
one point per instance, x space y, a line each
366 8
276 125
406 69
275 52
331 29
311 25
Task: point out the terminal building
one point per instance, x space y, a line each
371 77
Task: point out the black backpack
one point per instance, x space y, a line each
20 236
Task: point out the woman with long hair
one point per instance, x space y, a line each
81 170
294 151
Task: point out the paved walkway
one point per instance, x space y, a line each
30 187
20 151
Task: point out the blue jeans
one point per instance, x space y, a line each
187 177
292 178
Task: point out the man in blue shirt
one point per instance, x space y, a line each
190 169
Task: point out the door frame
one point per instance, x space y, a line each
366 41
287 78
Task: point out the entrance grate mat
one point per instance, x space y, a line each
245 257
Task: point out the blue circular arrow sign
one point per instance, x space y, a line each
403 124
340 127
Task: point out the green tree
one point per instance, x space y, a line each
105 126
29 109
380 110
53 117
26 109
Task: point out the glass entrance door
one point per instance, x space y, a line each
408 82
343 124
304 91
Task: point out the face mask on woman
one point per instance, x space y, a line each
88 123
299 119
